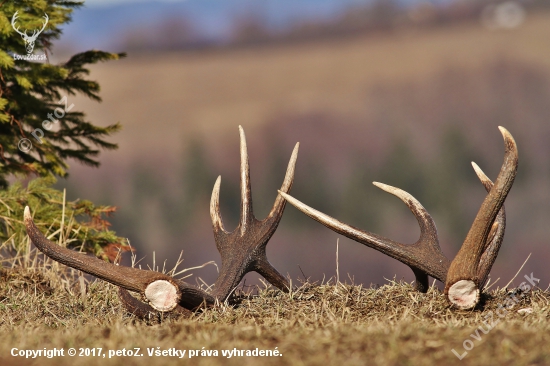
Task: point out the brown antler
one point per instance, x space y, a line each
242 251
424 257
463 279
495 236
468 272
162 292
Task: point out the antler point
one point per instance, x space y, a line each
384 187
27 213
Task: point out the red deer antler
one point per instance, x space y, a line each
467 273
242 251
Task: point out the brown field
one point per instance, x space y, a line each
210 93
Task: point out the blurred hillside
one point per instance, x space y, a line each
148 26
410 108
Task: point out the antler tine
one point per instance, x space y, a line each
246 190
271 222
428 240
428 230
485 180
500 221
463 280
424 256
278 207
215 215
161 291
492 245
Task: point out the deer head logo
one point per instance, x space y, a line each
29 40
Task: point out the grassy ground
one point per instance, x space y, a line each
43 306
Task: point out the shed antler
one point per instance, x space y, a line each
242 251
468 272
162 292
464 279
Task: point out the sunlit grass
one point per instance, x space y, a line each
315 324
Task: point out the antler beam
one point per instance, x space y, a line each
424 257
162 292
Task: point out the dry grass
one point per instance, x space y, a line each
317 324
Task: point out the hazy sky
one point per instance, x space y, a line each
110 2
99 3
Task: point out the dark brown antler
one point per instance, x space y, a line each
162 292
242 251
470 269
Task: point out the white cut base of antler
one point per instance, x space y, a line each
162 295
464 294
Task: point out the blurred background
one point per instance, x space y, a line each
404 92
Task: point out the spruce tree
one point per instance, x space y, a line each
39 128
